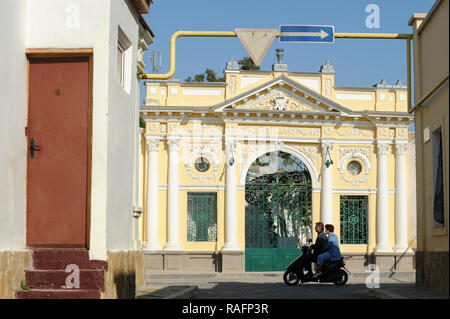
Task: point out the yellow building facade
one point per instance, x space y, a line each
236 173
431 111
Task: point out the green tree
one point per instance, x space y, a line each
208 76
246 63
199 77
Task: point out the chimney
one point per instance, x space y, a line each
280 66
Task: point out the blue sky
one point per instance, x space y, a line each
358 62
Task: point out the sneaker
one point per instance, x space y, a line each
316 275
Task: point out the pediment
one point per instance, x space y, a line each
284 95
279 99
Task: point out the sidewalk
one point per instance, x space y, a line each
165 292
406 291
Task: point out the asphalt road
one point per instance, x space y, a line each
271 286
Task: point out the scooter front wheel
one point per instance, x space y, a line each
291 278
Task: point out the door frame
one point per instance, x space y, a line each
68 53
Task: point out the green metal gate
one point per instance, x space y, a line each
278 212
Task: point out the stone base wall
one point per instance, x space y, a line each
234 262
182 262
125 273
432 270
12 266
386 262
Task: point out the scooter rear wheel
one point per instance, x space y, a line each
341 277
291 278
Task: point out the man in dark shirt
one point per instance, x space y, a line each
319 247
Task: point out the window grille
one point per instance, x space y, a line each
202 217
354 219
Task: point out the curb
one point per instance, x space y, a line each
183 294
166 292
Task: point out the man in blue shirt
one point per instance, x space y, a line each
333 252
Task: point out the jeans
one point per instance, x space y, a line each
323 257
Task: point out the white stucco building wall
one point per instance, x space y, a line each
13 85
68 24
122 109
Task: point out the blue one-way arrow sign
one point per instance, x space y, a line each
307 33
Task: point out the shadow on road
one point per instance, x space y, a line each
237 290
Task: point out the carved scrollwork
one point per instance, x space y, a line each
211 152
362 154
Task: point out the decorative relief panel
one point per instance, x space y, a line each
279 99
354 132
328 87
383 131
269 131
402 132
391 132
196 129
152 127
328 131
232 85
210 151
309 151
348 154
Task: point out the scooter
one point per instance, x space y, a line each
334 271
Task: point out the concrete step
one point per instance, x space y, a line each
48 276
58 294
62 264
59 258
91 279
60 253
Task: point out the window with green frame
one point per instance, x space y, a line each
354 219
201 217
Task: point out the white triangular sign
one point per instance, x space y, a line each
256 41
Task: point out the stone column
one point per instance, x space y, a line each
172 196
326 200
230 197
401 222
152 194
382 199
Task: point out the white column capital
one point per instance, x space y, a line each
382 148
327 145
152 143
401 148
173 143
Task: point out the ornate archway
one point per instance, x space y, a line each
278 217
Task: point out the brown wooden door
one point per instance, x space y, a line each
57 175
